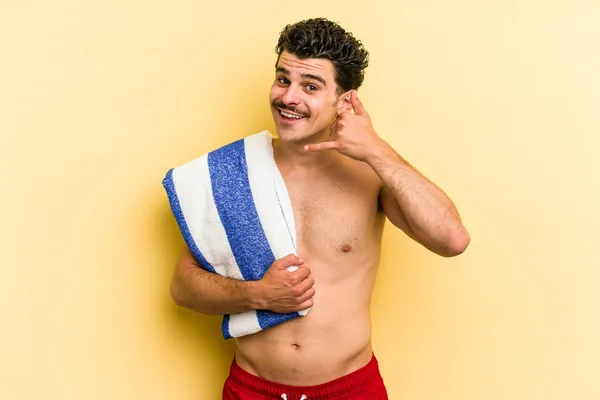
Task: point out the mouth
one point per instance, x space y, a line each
289 117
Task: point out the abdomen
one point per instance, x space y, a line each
332 340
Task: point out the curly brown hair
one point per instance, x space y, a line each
321 38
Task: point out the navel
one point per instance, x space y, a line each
346 248
295 346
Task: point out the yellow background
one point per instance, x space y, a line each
496 101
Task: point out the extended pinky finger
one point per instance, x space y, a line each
321 146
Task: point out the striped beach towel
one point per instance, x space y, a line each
234 212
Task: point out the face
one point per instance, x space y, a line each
304 98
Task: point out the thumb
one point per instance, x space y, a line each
290 260
357 105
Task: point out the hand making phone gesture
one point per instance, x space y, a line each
351 134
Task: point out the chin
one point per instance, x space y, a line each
290 133
290 136
299 138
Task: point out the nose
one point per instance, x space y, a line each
291 96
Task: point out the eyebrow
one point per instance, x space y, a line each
305 76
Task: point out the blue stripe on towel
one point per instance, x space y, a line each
232 194
237 211
169 186
225 327
269 318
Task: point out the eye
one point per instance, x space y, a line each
312 88
283 81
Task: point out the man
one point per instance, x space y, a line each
343 181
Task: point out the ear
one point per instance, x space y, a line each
344 102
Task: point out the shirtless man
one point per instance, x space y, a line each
343 181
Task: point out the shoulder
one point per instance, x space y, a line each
362 177
363 173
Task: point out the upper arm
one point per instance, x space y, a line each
186 258
186 273
394 213
185 264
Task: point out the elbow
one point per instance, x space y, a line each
458 243
176 293
183 296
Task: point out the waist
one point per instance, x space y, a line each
315 348
367 375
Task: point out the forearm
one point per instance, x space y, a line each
430 213
208 293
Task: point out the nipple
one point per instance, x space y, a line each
346 248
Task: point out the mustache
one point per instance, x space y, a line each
279 104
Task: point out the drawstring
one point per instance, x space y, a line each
284 397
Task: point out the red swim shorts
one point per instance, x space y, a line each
365 383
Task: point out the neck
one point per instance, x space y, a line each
293 155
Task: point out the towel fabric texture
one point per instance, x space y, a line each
234 213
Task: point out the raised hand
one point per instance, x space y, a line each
351 134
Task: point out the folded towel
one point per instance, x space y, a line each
235 215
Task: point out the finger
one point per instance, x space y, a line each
307 283
323 146
342 112
302 273
357 105
306 296
307 304
290 260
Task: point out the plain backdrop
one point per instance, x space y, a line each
498 102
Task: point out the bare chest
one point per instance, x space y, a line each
334 215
